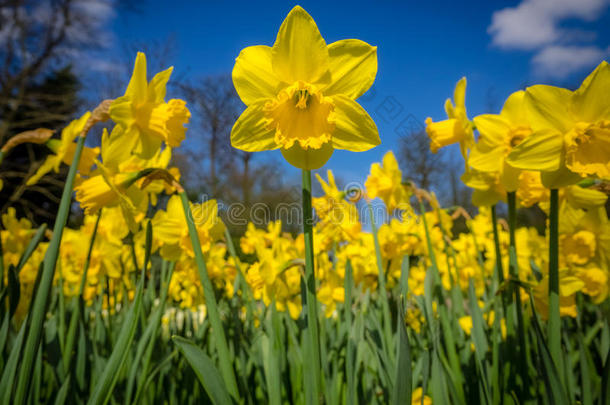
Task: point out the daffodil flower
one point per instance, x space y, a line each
487 188
530 190
63 151
172 231
300 94
339 219
147 120
571 138
457 128
385 182
114 182
499 134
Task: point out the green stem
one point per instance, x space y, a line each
310 297
38 306
499 266
145 343
1 263
352 393
383 292
226 365
67 354
515 288
554 325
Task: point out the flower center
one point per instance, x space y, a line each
300 113
584 133
516 136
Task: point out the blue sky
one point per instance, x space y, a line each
423 49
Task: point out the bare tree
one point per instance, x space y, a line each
41 36
215 107
419 164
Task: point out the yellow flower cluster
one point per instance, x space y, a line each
544 138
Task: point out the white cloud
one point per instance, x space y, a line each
535 23
559 61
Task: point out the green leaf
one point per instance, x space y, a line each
104 386
402 379
350 372
555 391
606 381
32 245
10 369
60 399
206 372
40 299
220 340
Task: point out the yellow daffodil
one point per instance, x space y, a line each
571 136
499 134
399 238
300 94
16 233
385 182
531 191
117 180
147 120
275 276
457 128
414 318
570 285
171 228
418 397
487 187
595 279
63 151
339 219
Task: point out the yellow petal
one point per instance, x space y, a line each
49 164
147 146
117 146
459 94
299 52
493 130
509 177
74 129
514 109
585 197
354 130
444 133
479 180
486 198
590 101
94 194
87 158
121 111
547 108
250 132
539 151
449 110
253 75
308 159
561 177
389 162
136 89
353 67
486 159
158 84
570 285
